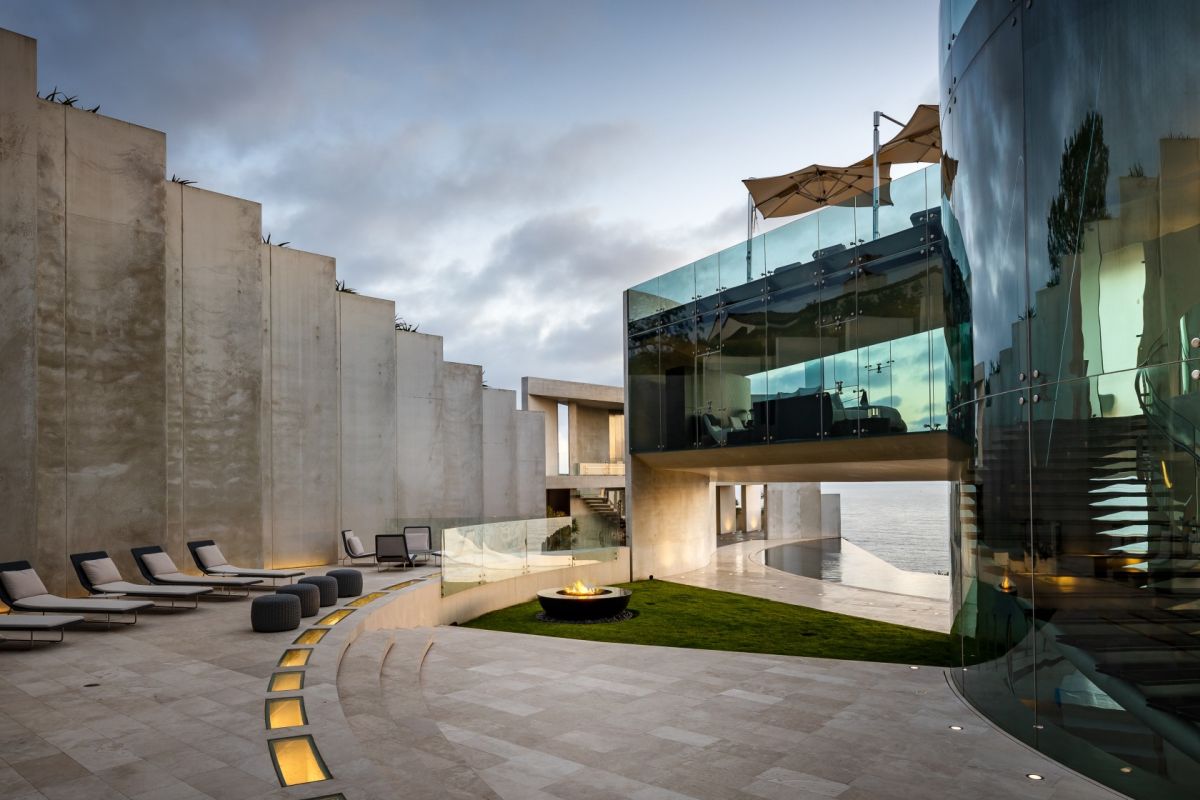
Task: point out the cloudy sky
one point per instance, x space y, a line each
502 170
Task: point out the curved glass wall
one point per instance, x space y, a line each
1071 205
810 331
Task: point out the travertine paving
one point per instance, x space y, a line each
172 709
739 568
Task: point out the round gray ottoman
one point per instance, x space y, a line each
310 597
327 585
270 613
349 581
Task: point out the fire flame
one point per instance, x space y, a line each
580 589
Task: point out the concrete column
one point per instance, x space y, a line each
752 506
793 511
671 519
726 509
831 516
499 454
549 409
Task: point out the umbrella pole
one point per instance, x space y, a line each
875 182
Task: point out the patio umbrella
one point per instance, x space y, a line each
919 140
810 188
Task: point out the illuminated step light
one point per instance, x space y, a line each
311 636
366 598
401 585
297 760
286 682
294 657
285 712
336 617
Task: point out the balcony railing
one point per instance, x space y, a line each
598 468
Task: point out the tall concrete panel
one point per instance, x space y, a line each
530 464
587 432
114 345
369 446
18 281
549 409
221 364
793 511
499 450
51 473
304 408
420 457
462 442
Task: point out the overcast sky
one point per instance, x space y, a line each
502 170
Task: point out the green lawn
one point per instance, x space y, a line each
672 615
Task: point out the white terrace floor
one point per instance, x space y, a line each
459 713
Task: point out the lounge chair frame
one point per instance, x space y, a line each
77 561
108 620
218 590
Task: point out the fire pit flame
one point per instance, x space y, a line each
581 589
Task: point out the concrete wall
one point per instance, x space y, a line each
420 458
19 229
793 511
588 434
369 442
531 464
304 407
671 520
214 347
727 521
549 408
461 441
752 505
499 444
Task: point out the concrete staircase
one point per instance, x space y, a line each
598 503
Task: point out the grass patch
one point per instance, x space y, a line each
673 615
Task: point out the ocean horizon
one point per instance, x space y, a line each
906 523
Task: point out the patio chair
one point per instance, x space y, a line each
33 623
99 575
211 561
159 569
21 589
392 548
353 547
419 541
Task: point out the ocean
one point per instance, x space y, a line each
906 524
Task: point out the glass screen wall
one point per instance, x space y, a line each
1071 189
809 331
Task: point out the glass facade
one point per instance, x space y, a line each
810 331
1071 207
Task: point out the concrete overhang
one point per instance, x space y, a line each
585 394
936 456
585 481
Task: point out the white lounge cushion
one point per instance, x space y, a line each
135 589
50 602
101 570
22 583
159 564
210 556
356 546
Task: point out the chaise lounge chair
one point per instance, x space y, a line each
419 541
354 548
32 623
99 575
392 548
211 561
158 568
23 590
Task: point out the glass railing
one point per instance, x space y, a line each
738 272
473 555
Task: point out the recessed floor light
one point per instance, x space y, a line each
956 727
914 667
287 712
1127 770
294 657
311 636
286 682
1033 776
297 761
336 616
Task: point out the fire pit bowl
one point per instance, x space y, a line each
580 604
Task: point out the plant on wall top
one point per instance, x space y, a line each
342 287
407 327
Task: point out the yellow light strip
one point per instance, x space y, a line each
297 761
310 636
366 598
286 682
294 657
401 585
286 712
336 617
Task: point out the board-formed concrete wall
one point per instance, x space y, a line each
214 373
672 520
369 445
165 376
304 407
18 281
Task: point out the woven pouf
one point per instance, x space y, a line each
270 613
349 581
327 585
310 597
